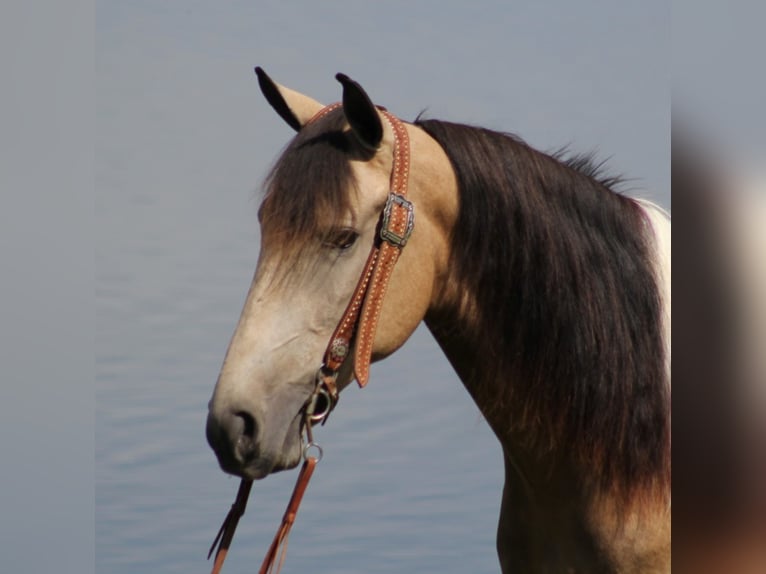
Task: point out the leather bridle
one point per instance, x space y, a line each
357 325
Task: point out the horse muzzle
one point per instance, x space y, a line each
237 439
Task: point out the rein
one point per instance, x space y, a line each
358 324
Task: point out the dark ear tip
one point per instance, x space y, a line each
270 91
343 78
263 77
361 113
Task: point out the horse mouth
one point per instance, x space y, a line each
253 469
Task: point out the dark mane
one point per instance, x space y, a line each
561 276
589 166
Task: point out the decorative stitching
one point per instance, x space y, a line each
324 111
363 310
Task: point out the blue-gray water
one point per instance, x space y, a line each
411 476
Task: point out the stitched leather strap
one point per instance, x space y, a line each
363 311
226 532
397 225
323 112
275 557
338 348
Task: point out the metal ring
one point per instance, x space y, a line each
314 416
308 447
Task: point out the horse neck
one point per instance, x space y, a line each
466 350
566 341
541 357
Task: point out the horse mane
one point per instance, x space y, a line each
560 270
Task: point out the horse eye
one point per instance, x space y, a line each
341 238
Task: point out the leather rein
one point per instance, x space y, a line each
358 324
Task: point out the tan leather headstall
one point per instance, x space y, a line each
360 319
358 324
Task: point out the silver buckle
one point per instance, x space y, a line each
387 234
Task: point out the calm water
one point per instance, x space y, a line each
411 476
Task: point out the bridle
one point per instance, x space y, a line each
358 325
363 310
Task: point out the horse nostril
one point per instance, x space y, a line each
245 443
248 421
233 436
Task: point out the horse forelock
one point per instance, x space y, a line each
307 191
561 273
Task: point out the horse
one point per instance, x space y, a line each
547 289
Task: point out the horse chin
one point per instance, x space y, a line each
257 470
263 466
287 458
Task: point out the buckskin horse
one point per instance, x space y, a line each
547 290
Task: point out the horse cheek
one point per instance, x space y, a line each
406 302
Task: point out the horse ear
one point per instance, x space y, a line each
293 107
361 113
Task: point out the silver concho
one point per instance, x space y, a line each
338 350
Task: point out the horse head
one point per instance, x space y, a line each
320 217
